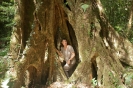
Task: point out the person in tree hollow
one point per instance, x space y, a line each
67 52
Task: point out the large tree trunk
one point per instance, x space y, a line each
99 49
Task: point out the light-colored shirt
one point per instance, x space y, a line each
67 53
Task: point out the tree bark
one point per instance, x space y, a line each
97 57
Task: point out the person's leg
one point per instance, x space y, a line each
71 69
66 69
67 74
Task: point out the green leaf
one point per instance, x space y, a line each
129 78
84 7
66 3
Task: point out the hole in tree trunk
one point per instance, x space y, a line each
94 71
74 42
27 18
75 1
57 41
124 64
39 27
94 67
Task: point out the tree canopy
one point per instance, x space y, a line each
6 17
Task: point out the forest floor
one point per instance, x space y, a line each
127 81
66 85
4 67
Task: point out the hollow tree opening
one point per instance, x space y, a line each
94 70
74 42
59 34
57 40
27 19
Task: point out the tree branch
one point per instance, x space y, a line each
130 18
68 12
97 7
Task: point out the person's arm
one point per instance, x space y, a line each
59 53
72 56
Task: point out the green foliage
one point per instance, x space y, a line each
94 82
7 11
66 3
5 39
84 7
3 64
117 12
6 18
130 35
4 43
4 52
115 80
128 79
3 67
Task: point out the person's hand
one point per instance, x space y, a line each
68 62
56 50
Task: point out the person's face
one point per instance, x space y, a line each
64 42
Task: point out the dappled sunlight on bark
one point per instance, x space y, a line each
97 56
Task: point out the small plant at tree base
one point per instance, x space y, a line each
94 82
